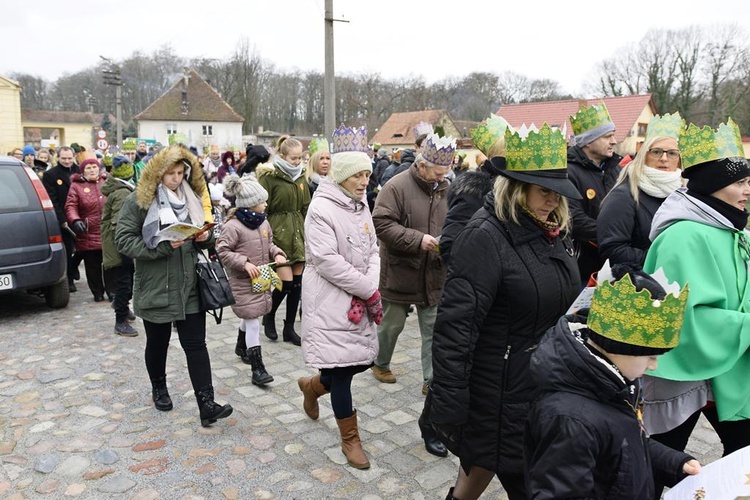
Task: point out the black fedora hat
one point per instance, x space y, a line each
554 180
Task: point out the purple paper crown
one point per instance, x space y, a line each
439 150
422 128
349 139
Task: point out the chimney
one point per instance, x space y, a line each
184 107
260 129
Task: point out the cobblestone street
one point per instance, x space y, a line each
77 419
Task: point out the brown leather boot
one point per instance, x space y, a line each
312 388
350 443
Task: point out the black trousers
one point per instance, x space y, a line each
123 277
192 333
70 247
92 261
339 382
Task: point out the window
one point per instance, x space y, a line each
208 130
171 128
642 129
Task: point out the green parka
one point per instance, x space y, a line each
287 207
116 190
165 285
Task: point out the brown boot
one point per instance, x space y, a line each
312 389
350 443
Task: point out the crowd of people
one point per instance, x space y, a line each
546 284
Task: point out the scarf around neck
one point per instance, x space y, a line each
251 219
659 183
737 217
169 208
288 168
550 227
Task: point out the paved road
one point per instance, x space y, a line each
77 419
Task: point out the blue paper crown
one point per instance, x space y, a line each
349 139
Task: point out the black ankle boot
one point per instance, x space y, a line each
241 349
289 334
432 444
269 327
210 411
160 394
450 495
260 375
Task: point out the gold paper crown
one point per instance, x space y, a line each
620 313
699 145
543 150
439 150
318 144
350 139
665 126
588 118
489 132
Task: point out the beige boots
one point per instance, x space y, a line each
312 389
350 443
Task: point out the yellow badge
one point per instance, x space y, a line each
590 194
86 190
59 182
301 187
265 233
367 228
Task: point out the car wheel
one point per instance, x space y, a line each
57 296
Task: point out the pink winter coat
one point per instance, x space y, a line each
341 252
237 245
85 202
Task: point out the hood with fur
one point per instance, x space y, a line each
155 169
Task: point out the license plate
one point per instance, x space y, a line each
6 281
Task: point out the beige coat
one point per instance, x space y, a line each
406 209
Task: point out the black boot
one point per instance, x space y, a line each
241 349
269 327
290 335
269 320
450 495
160 394
432 444
210 411
260 375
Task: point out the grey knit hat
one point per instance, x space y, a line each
246 190
348 163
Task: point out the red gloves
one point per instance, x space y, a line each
373 305
375 308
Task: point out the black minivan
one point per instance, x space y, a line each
32 255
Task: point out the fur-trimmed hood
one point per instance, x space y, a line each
155 169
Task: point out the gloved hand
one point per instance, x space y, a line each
356 311
78 226
375 307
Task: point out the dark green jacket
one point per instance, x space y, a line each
287 207
116 191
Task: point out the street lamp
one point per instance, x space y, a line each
112 76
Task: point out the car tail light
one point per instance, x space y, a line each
55 239
41 192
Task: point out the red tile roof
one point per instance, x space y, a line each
52 116
204 103
399 127
623 110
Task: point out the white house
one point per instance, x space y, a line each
194 113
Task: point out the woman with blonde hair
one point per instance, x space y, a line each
492 315
319 164
625 218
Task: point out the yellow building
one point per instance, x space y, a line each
11 130
43 127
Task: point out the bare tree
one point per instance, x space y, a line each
34 91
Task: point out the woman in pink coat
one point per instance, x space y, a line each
340 294
83 209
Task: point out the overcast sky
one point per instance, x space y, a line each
560 40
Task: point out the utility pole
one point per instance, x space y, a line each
112 76
329 81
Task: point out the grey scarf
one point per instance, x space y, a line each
288 168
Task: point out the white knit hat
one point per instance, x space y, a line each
348 163
246 190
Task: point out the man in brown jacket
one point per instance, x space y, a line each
408 217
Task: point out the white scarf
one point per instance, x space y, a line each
659 183
168 208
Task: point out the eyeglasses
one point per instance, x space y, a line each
672 154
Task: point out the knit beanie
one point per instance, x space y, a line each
348 163
246 190
29 150
590 136
709 177
122 167
89 161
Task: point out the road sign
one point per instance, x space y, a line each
102 144
102 134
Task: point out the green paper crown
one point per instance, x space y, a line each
665 126
489 132
321 143
543 150
699 145
620 313
588 118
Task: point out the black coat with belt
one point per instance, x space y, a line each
583 438
623 225
506 286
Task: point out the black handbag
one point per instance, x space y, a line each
213 285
